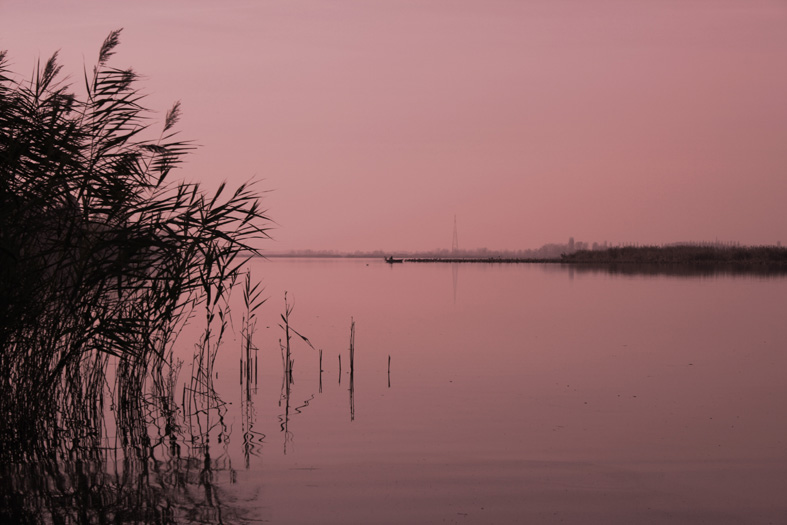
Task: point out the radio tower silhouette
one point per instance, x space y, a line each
455 244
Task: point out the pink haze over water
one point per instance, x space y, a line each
374 123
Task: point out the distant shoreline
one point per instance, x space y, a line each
486 260
740 256
752 256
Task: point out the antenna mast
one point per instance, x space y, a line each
455 244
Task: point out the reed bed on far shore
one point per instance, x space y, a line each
683 254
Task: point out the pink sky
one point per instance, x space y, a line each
375 122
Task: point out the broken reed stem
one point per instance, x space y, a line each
352 369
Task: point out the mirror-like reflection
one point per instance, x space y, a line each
647 392
95 481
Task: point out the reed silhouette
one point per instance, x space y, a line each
103 258
286 348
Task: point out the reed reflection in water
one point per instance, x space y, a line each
102 483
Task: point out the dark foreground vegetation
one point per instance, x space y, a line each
103 258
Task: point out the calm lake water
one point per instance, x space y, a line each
516 394
519 393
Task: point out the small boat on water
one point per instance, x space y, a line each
391 260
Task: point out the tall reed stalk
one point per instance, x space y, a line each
286 350
352 369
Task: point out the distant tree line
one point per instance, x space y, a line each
684 253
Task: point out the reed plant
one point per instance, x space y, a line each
103 257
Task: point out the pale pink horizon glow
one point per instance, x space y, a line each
374 123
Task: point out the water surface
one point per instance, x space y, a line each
519 393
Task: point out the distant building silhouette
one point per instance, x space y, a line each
570 244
